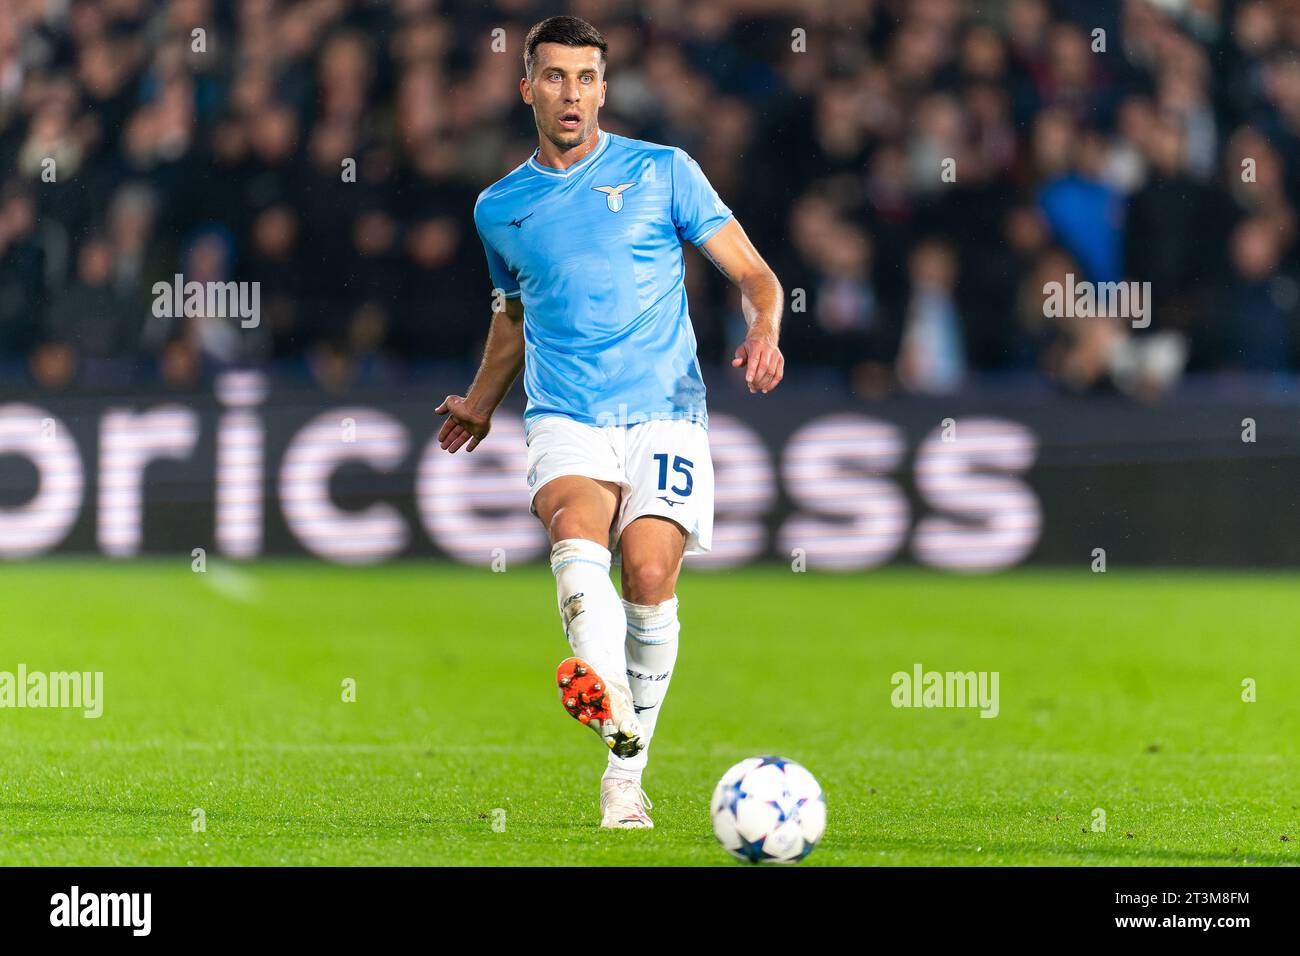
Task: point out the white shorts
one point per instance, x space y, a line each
663 466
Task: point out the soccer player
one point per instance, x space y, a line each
584 245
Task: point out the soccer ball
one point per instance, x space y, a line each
768 810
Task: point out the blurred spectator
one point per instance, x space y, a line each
88 324
1174 234
1264 300
22 273
1083 211
932 357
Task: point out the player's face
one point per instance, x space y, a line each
566 92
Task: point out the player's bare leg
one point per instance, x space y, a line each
573 506
577 512
653 548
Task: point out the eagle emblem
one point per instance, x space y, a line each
614 195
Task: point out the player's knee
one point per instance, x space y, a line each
571 523
648 581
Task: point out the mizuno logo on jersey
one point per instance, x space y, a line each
614 195
519 223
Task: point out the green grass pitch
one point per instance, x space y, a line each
223 693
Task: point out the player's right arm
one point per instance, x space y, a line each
469 417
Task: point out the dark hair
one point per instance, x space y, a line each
567 31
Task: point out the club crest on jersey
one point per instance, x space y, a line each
614 195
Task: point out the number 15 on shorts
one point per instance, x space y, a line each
681 466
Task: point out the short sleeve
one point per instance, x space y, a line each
698 212
502 277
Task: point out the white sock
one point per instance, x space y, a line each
590 607
652 632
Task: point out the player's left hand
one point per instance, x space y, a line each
763 363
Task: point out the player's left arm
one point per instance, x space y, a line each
761 300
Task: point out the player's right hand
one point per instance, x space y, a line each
464 424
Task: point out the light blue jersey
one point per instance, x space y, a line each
595 251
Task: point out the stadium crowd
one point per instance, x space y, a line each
914 170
